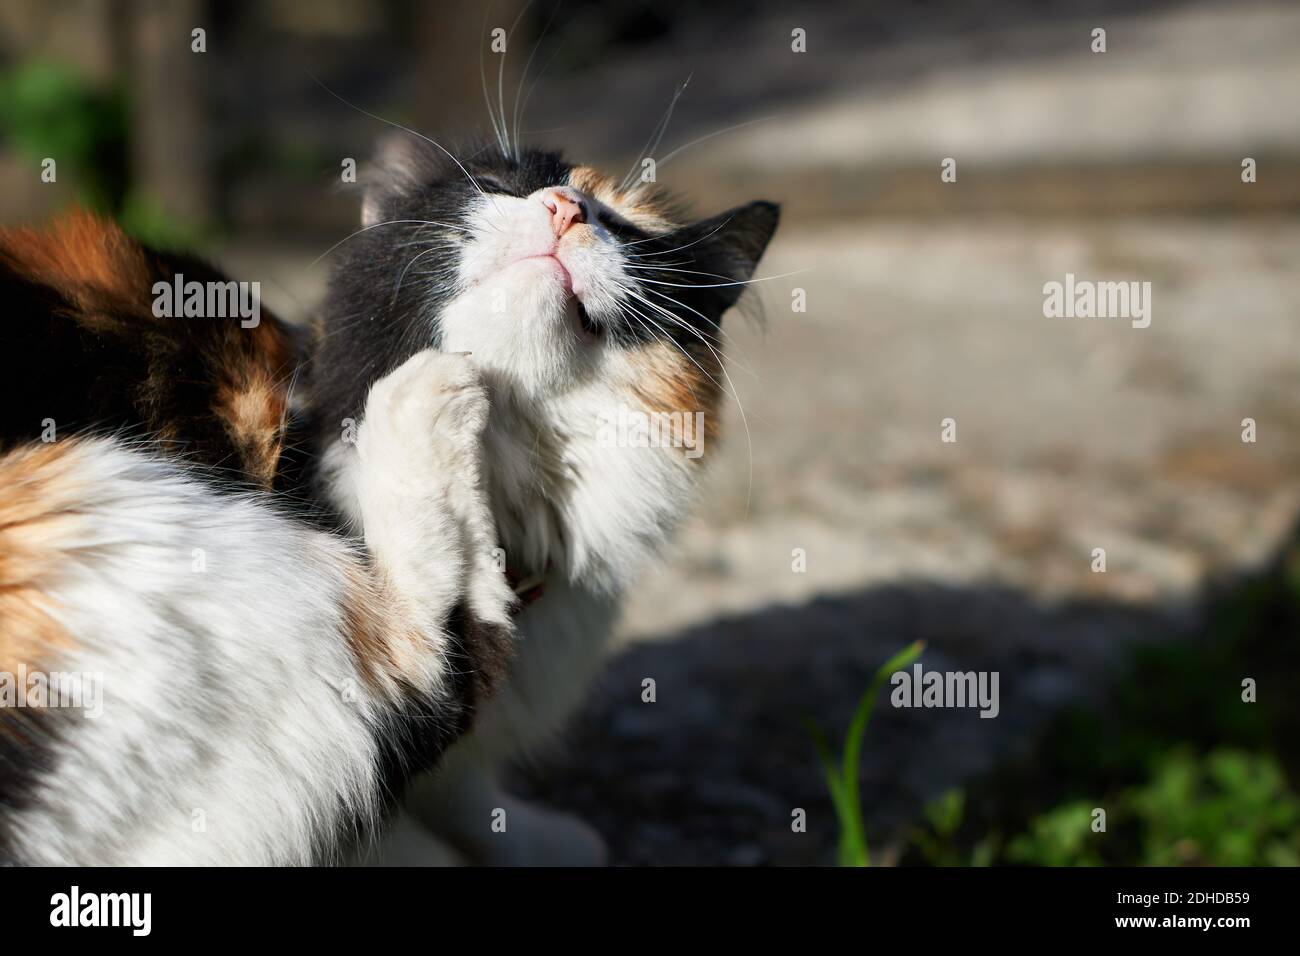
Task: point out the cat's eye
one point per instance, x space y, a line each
490 184
618 226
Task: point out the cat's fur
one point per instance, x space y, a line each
267 686
296 601
635 325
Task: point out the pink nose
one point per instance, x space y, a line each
567 209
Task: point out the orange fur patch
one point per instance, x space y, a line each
392 654
252 398
108 279
642 204
668 382
378 645
81 251
38 516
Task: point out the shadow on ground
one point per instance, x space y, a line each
712 770
1093 695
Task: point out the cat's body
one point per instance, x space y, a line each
234 684
562 351
397 615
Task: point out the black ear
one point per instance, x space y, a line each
728 245
402 161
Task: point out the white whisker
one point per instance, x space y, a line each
376 225
523 77
696 142
722 367
405 129
644 255
656 137
720 285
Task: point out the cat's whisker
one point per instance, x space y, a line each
406 129
678 321
720 285
523 76
512 150
670 340
487 97
696 142
730 343
722 367
664 252
673 342
662 266
523 111
376 225
398 288
656 136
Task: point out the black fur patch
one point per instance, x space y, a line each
94 358
28 753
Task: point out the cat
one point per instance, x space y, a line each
289 561
262 686
581 300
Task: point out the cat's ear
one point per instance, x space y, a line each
399 165
730 245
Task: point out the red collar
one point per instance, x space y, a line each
527 588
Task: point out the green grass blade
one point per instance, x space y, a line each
850 853
853 742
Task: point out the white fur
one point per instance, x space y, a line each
225 737
236 726
515 312
591 516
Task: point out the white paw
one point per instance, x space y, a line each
428 416
421 486
544 837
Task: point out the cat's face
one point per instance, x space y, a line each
552 275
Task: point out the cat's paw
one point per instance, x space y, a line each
543 837
532 835
420 482
427 418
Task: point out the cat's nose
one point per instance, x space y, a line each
567 208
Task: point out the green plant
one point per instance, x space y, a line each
1226 808
938 844
50 110
145 218
1062 836
1188 769
842 777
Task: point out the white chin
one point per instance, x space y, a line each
522 325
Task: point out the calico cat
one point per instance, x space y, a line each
193 668
298 598
581 301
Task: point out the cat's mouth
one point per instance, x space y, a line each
559 263
587 324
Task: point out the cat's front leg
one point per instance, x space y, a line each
418 492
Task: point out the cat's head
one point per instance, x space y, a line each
553 275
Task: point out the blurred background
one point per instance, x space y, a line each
1120 690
